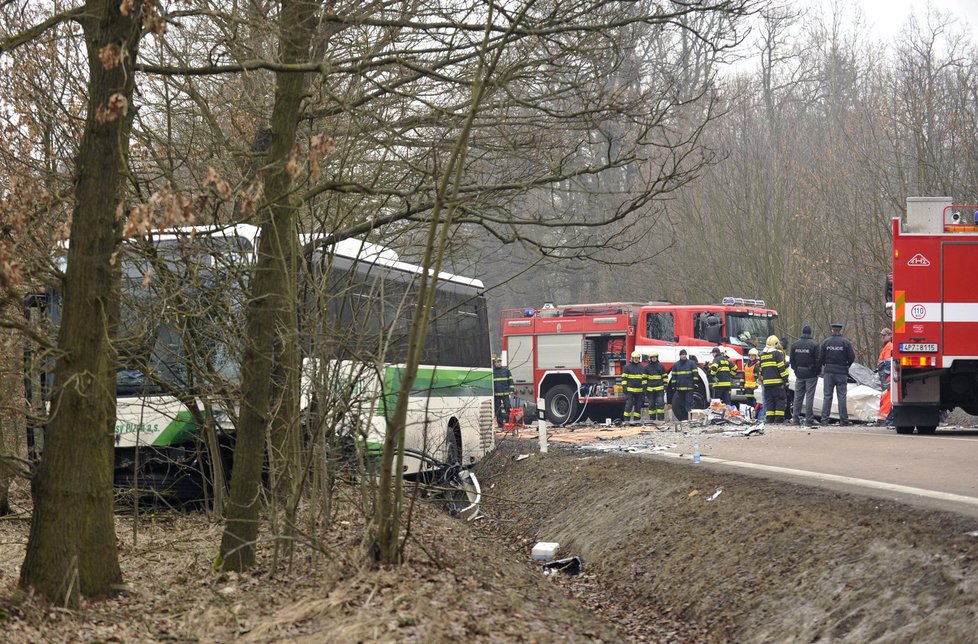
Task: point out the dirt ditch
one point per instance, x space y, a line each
667 558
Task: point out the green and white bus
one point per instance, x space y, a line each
180 345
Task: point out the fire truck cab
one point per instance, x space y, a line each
569 358
935 313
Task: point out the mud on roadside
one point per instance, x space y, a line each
761 561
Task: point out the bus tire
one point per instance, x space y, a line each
560 405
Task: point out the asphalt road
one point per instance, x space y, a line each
938 471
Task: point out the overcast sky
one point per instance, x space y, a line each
888 17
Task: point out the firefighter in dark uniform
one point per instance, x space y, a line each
721 375
502 386
655 387
773 374
682 382
633 383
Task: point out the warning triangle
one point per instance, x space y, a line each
918 260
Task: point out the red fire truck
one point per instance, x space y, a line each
569 358
935 313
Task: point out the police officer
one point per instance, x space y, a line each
655 387
502 385
721 375
682 381
836 356
773 374
803 359
633 382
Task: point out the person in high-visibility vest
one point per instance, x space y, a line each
633 383
883 369
773 374
750 379
655 387
721 374
502 387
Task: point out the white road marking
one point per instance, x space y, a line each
876 485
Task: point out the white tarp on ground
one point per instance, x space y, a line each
863 395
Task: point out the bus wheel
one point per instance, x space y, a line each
453 443
926 429
900 429
560 405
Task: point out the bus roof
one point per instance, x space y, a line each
351 248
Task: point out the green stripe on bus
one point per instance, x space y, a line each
182 428
437 382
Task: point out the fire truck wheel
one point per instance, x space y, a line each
926 429
560 405
904 430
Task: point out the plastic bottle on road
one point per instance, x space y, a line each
696 452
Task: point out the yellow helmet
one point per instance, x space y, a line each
772 341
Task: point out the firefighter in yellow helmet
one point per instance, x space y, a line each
772 371
655 387
633 382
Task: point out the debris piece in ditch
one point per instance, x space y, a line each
522 456
568 566
973 533
694 493
716 494
545 550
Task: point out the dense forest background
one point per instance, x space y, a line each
822 132
563 151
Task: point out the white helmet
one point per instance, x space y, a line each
636 355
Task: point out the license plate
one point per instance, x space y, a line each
919 347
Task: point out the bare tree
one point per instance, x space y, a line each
72 547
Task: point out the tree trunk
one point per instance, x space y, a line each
72 546
270 369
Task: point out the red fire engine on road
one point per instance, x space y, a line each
935 313
569 358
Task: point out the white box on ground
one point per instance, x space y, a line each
545 550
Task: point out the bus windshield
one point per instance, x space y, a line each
182 303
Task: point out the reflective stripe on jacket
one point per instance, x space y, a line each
684 374
502 381
655 376
749 381
722 372
772 369
633 378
